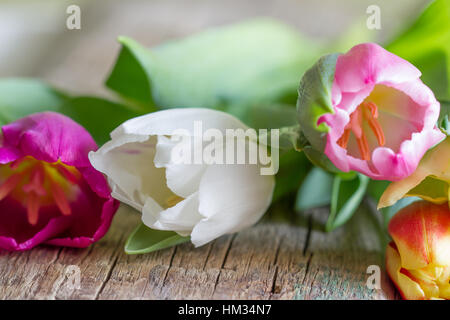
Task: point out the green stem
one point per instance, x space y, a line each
292 137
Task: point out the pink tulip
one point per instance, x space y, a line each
384 117
49 192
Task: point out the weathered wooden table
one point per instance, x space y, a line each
277 259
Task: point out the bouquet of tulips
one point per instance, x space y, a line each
210 131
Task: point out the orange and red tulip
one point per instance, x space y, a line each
418 258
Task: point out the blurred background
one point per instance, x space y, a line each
34 40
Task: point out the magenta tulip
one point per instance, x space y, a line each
49 192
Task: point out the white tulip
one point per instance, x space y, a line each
202 200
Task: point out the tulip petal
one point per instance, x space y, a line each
48 136
421 232
232 197
435 164
167 122
182 179
408 288
180 218
409 232
128 163
432 190
369 63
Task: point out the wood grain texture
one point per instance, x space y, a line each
273 260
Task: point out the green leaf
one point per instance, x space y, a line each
253 62
293 168
314 100
266 116
21 97
130 76
97 115
376 188
319 159
345 199
426 44
315 190
145 240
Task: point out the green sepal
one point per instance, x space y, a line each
314 100
319 159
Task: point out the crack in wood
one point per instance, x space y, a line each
227 251
273 289
174 252
108 276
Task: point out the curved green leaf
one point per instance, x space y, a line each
258 61
315 190
97 115
145 240
345 199
21 97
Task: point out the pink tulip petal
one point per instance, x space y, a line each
368 63
48 136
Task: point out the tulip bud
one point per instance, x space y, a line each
418 258
367 110
148 165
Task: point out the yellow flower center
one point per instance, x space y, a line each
367 111
434 280
38 183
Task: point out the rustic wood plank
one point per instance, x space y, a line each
42 272
339 260
269 261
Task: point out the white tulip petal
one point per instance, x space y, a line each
167 121
128 163
164 148
120 195
182 217
232 197
182 179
